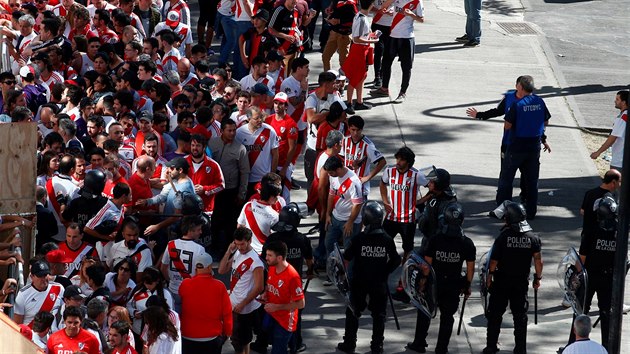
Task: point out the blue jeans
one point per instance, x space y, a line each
529 164
335 231
473 19
280 337
229 39
239 70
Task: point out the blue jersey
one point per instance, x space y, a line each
528 117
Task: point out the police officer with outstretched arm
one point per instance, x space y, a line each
508 277
373 257
446 253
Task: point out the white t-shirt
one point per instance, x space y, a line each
225 8
182 30
314 102
119 251
248 82
109 283
585 346
182 267
380 18
360 27
259 145
619 131
240 14
402 25
166 344
138 303
347 189
292 87
242 279
29 301
259 217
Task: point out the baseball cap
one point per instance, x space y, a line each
262 89
145 115
40 268
172 18
57 256
26 69
203 261
281 97
178 162
262 14
338 75
274 56
73 292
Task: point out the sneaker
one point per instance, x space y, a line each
566 303
302 347
346 347
416 347
401 295
210 52
488 350
327 282
471 44
380 92
462 39
401 98
294 185
378 83
349 108
361 106
626 308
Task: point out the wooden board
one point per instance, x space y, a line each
12 341
18 167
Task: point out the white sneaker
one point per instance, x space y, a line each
566 302
626 308
327 282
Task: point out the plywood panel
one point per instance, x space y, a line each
18 165
12 341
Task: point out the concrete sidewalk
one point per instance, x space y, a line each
447 79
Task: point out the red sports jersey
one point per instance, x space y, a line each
322 132
109 186
283 288
207 174
77 256
402 192
126 350
286 129
60 343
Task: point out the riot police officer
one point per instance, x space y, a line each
446 253
597 252
88 203
373 257
298 250
508 276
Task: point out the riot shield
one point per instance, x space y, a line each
484 266
336 271
573 280
419 282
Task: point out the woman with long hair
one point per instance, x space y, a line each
47 167
152 285
162 336
118 313
120 281
13 98
102 86
80 279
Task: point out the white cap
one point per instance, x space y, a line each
172 18
281 97
338 75
203 261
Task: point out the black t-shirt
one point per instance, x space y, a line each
298 247
513 251
81 210
344 11
374 255
599 247
589 223
282 21
449 253
63 280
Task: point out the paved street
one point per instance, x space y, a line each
446 80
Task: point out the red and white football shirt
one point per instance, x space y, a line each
286 129
180 255
363 154
259 145
402 192
29 301
259 217
207 174
347 192
242 279
77 256
402 25
283 288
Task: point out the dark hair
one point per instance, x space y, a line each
53 137
52 25
47 247
121 189
133 268
20 114
42 321
97 120
96 272
333 163
97 151
123 19
121 327
190 222
203 66
125 98
198 48
298 63
158 322
167 36
243 234
227 121
326 77
269 189
44 162
73 311
259 60
150 275
220 72
405 153
278 247
148 65
103 15
111 145
623 95
200 139
151 137
204 115
184 115
356 121
163 92
66 164
75 94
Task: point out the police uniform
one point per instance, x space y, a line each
528 117
446 253
373 257
512 251
429 224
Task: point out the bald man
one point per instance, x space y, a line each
140 182
186 75
45 125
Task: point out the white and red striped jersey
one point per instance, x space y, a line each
248 82
292 87
240 14
137 24
67 72
23 43
180 255
278 77
259 145
182 30
315 103
191 79
92 9
111 285
360 157
74 113
402 25
138 303
119 251
347 192
108 212
77 256
226 7
402 191
29 301
52 78
170 60
242 279
128 152
180 6
107 36
380 18
259 217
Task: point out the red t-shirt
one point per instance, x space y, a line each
322 132
198 319
60 343
286 129
109 186
140 189
284 288
126 350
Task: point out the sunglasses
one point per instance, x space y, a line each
9 82
183 106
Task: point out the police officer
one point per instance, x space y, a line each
446 253
597 252
298 250
508 275
89 202
440 194
373 257
526 120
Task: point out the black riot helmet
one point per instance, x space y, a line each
606 209
93 184
288 219
441 178
515 216
451 219
192 204
372 214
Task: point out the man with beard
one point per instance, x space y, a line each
79 169
131 246
118 338
206 173
73 338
